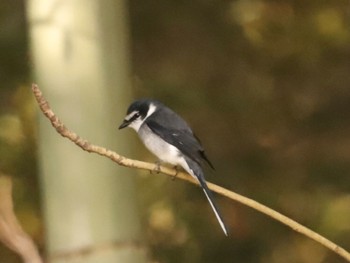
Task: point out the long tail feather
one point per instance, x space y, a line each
196 171
210 198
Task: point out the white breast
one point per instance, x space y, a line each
160 148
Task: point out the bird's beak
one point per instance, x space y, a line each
124 124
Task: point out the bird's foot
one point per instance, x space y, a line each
157 168
177 171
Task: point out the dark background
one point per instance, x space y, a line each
265 85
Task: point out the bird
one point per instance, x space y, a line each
171 140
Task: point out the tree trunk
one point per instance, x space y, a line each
80 57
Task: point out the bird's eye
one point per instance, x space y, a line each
137 115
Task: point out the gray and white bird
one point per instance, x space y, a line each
170 138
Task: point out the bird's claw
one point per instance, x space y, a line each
157 168
174 176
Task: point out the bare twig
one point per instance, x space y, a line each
11 232
121 160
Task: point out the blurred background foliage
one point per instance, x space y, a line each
265 85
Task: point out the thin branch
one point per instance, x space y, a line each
11 232
121 160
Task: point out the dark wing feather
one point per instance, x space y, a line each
177 133
202 153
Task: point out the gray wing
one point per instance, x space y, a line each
174 130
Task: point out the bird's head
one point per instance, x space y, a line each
138 112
